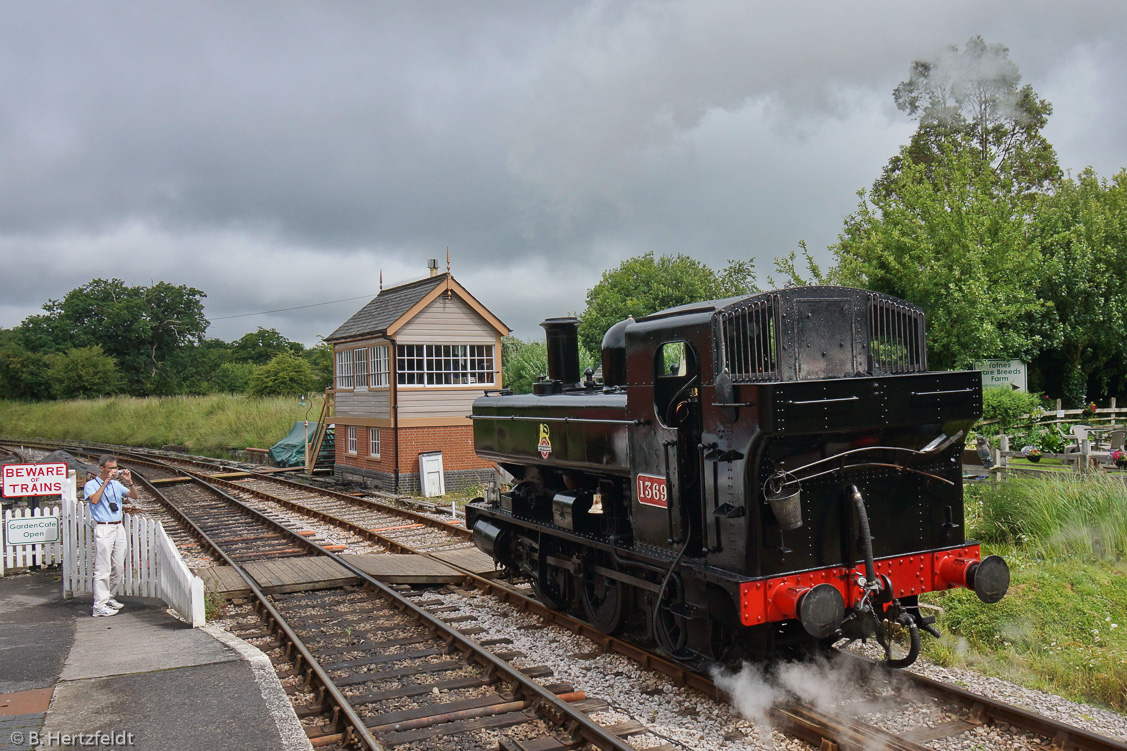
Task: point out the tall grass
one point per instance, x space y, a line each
205 424
1062 516
1063 625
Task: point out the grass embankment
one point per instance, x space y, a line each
205 424
1063 625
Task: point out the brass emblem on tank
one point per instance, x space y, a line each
545 442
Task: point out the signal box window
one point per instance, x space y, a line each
352 439
445 364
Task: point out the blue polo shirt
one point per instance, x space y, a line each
114 493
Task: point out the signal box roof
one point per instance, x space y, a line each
393 307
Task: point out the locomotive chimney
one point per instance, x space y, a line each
563 349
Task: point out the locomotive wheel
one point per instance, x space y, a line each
554 586
669 630
604 601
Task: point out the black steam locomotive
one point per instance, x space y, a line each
751 475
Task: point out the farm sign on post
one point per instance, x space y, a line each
1009 373
34 479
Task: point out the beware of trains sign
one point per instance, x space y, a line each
653 491
34 479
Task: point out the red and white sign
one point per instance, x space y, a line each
653 491
34 479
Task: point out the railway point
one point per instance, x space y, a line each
142 679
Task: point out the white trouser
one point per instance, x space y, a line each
110 543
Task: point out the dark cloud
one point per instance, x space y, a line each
282 152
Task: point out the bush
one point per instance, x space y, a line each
83 373
285 375
1007 407
233 377
524 363
23 374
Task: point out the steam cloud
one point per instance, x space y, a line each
831 686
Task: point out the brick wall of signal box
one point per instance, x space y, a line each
455 442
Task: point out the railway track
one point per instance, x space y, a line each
947 712
387 671
10 455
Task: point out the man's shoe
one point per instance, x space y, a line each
115 604
104 612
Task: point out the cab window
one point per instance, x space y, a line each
675 381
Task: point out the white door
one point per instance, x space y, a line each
430 474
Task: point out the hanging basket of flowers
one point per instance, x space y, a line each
1034 455
1118 457
1089 411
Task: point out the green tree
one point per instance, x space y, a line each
285 375
197 365
1079 232
523 363
141 328
261 346
644 284
82 373
320 358
788 268
973 100
23 374
233 377
950 237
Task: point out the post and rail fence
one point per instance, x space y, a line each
1084 456
153 567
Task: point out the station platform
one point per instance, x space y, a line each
139 680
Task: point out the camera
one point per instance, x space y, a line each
113 507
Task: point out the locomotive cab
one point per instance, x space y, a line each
752 473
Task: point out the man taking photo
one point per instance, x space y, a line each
105 494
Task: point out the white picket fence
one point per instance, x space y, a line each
22 556
154 567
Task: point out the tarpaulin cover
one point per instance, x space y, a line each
290 451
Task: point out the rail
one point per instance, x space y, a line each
545 702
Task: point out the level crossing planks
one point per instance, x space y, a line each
318 572
469 559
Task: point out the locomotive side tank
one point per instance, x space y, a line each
752 474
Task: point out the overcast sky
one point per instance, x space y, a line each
275 154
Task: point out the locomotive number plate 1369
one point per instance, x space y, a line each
653 491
